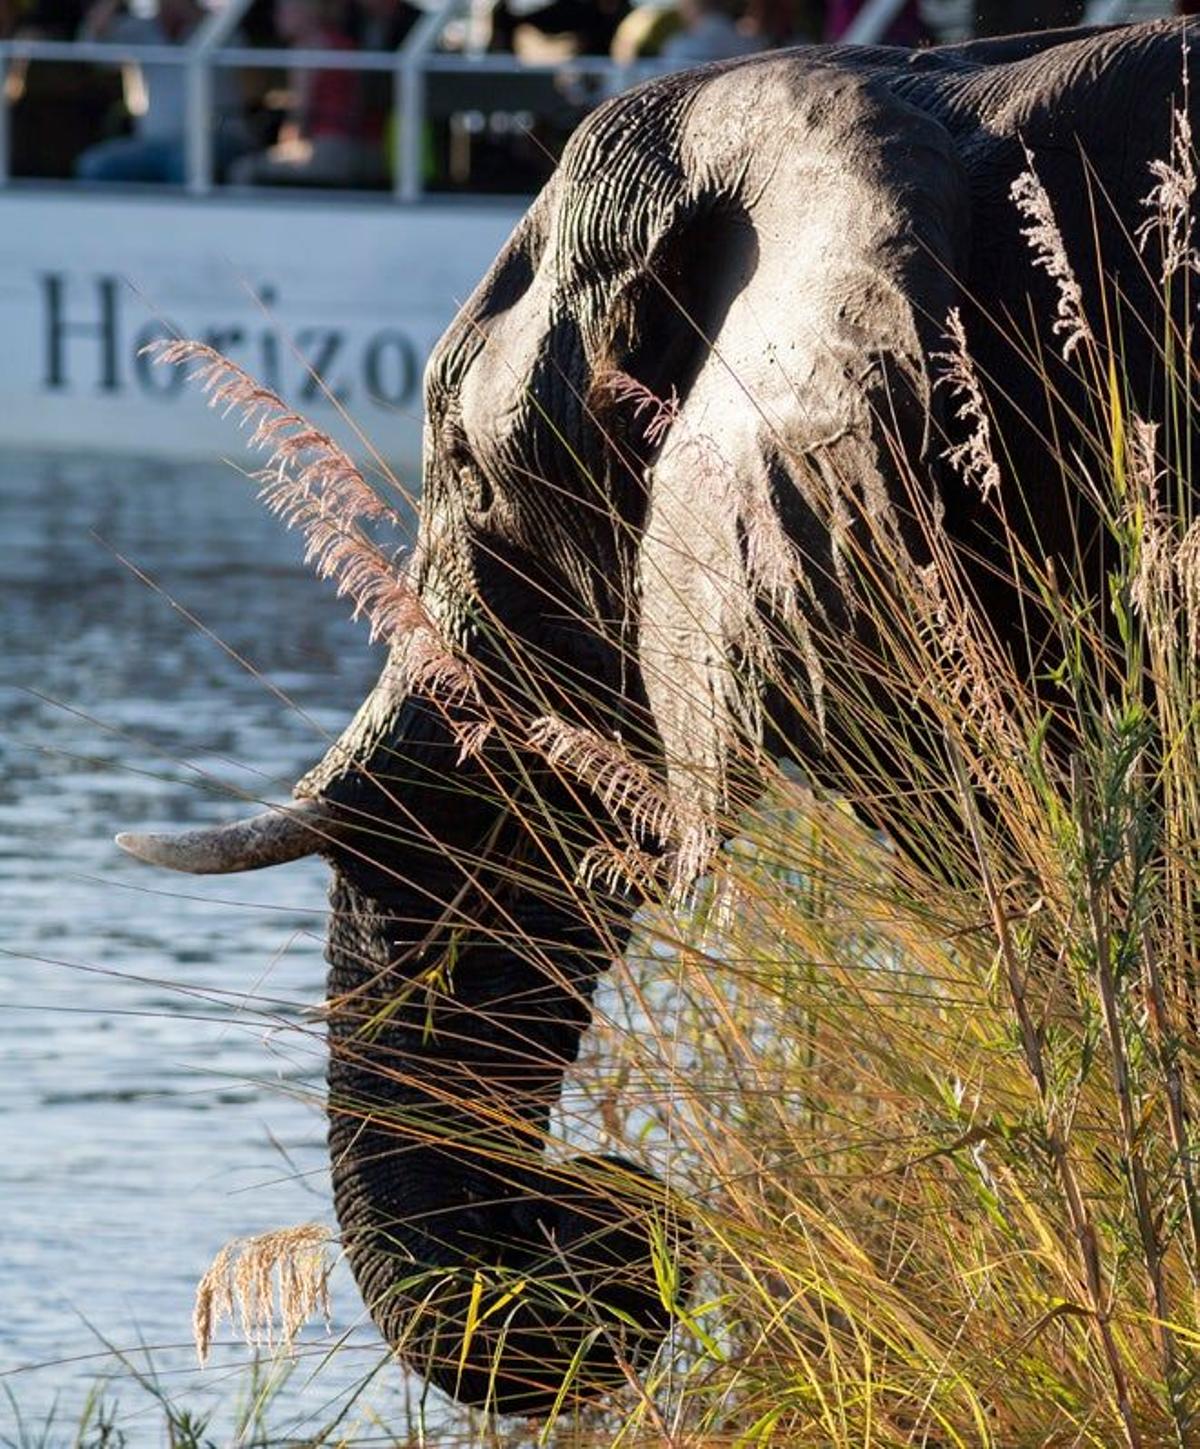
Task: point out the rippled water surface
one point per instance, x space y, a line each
162 1085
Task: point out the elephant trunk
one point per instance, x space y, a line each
462 970
462 967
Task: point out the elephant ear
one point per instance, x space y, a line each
831 217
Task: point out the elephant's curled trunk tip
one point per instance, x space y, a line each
279 834
579 1310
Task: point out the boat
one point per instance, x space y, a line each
335 307
332 298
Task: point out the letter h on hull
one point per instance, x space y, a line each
60 330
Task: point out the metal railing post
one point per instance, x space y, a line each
399 122
211 34
412 123
408 179
199 132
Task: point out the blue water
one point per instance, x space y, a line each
162 1086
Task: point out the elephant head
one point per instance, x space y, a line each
561 603
463 955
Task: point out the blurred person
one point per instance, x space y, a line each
644 32
325 139
157 149
587 27
56 109
772 23
710 32
905 29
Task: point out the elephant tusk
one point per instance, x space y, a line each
280 834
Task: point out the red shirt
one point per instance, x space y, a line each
331 102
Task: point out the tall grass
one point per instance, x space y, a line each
934 1108
931 1110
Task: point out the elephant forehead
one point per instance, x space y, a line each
494 393
521 388
765 122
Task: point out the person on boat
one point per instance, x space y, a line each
326 138
906 29
157 148
586 26
710 32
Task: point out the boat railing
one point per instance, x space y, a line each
209 49
411 66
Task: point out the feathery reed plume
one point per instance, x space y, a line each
663 412
312 484
698 841
472 737
618 868
336 549
974 458
1151 590
245 1275
1169 201
1050 254
1165 583
1187 572
961 675
627 788
624 785
288 437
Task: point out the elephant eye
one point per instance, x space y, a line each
475 491
472 491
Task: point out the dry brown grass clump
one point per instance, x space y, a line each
277 1276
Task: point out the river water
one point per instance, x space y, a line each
162 1086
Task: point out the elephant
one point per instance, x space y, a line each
757 260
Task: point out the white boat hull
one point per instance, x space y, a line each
355 292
